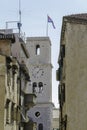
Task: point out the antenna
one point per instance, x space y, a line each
20 11
19 23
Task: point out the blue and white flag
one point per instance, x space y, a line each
51 21
19 25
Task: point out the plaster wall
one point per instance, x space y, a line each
75 41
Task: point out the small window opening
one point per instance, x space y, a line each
8 77
12 113
37 49
40 126
7 111
62 51
18 114
37 114
63 91
34 87
40 87
62 94
59 94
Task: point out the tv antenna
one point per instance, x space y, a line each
19 23
20 11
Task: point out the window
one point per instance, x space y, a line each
37 49
63 91
18 114
12 113
7 106
62 51
40 127
8 63
40 85
59 74
8 77
13 78
61 62
61 94
64 123
37 88
37 114
8 82
7 113
34 87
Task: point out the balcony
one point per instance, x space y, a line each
29 100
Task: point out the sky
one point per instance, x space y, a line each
34 23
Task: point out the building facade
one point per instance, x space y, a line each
27 99
10 88
55 123
41 81
14 77
72 73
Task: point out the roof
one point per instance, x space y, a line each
38 38
82 16
74 18
10 37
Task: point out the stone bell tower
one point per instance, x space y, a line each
40 69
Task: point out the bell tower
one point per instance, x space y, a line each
40 67
40 70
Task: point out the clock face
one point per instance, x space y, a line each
37 72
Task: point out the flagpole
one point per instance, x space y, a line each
19 15
47 27
20 11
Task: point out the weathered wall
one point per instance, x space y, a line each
2 90
45 116
76 76
40 70
5 47
42 62
55 123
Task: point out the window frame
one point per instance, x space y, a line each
37 49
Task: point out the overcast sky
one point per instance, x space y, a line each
34 22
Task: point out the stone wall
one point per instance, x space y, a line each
2 90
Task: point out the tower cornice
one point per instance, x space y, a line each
41 64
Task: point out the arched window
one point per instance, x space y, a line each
40 126
34 87
37 49
40 85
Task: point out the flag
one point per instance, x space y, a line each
19 25
51 21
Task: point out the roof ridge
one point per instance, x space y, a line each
77 16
